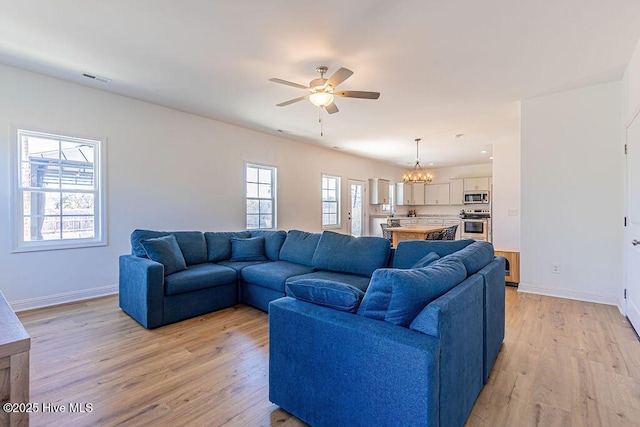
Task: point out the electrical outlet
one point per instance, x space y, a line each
555 268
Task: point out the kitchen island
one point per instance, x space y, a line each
412 232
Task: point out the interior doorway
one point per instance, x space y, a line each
632 230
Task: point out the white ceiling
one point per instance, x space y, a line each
443 67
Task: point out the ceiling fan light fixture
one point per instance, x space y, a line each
321 99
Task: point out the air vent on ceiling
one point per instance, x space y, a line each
98 78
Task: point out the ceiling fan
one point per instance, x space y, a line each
322 91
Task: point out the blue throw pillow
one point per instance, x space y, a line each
397 296
426 260
251 249
219 244
166 251
327 293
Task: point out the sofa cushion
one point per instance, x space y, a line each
348 254
327 293
273 275
409 252
166 251
250 249
196 277
475 256
299 247
359 282
219 244
193 246
239 265
426 260
397 296
138 235
273 240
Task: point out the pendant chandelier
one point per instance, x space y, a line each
417 174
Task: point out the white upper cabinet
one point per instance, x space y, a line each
436 194
409 194
456 193
474 184
378 191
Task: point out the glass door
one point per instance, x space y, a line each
356 210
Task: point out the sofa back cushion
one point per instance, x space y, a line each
353 255
475 256
409 252
138 235
397 296
273 240
166 251
299 247
193 246
219 243
191 243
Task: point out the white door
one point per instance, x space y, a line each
632 231
356 209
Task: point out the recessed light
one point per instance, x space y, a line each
484 152
431 164
491 158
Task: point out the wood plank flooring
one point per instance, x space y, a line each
563 363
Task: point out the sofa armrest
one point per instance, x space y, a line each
456 319
329 367
141 287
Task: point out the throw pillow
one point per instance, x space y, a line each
251 249
327 293
166 251
397 296
426 260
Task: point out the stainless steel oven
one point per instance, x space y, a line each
477 229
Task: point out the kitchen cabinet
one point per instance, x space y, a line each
378 191
436 194
409 194
456 191
474 184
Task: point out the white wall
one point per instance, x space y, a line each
505 212
572 167
166 170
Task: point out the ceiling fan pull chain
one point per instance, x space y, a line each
320 121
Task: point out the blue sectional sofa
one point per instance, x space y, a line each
172 276
415 351
360 334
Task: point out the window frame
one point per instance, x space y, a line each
338 201
274 194
17 214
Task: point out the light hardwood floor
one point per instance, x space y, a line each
563 362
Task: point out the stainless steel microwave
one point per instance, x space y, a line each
472 197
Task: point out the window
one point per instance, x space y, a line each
58 192
330 201
261 196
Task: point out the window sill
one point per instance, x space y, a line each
53 246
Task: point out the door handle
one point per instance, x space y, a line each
635 242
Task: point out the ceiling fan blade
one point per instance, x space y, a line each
357 94
331 108
285 82
339 76
291 101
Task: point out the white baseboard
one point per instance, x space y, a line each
49 300
570 294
